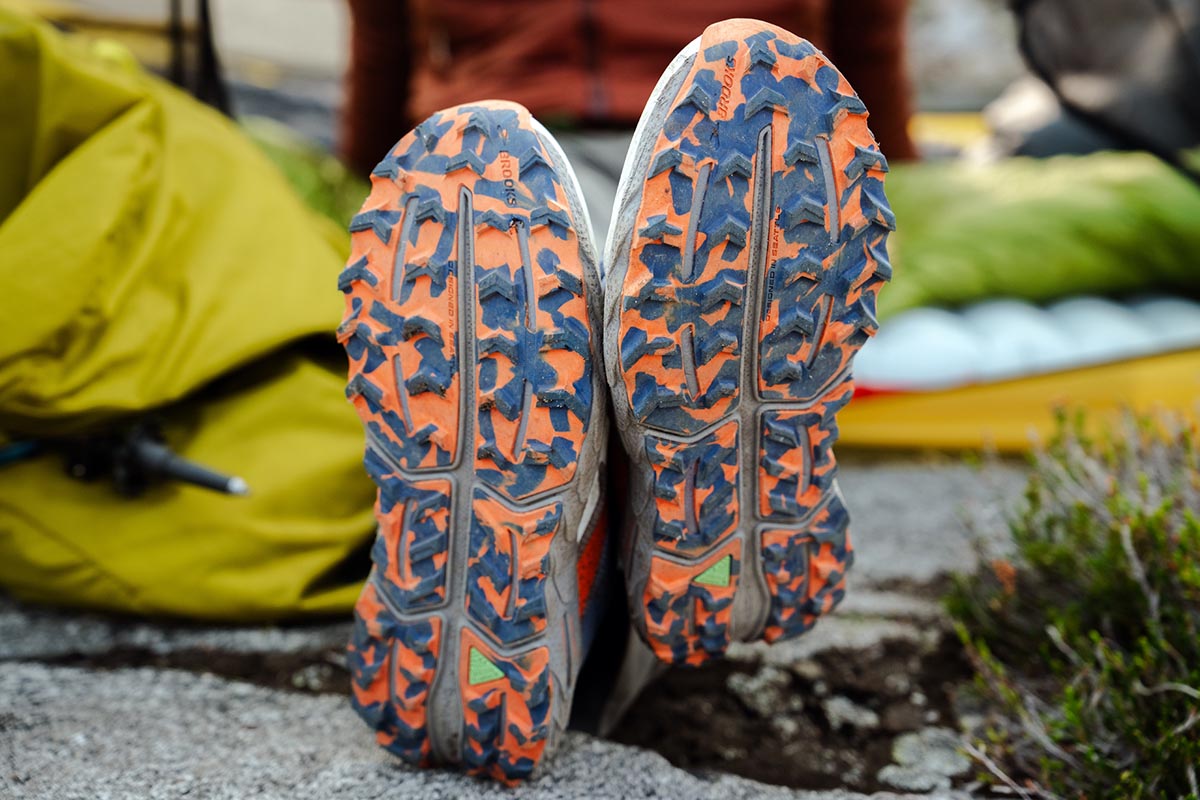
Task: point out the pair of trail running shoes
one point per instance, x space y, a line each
485 339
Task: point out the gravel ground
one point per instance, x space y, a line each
28 632
67 733
914 520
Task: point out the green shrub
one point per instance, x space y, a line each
1086 635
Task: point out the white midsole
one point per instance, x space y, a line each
639 143
576 192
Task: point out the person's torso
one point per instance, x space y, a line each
569 61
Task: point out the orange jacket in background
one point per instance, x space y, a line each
587 62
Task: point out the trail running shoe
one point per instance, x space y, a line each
748 246
470 291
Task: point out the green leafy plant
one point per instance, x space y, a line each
1085 635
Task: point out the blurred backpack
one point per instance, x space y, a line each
164 287
1130 68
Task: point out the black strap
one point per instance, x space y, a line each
205 82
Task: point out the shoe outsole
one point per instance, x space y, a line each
477 390
752 211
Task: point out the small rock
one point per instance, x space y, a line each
897 684
732 753
807 669
853 775
313 677
761 692
912 779
820 689
918 699
843 711
786 727
933 750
